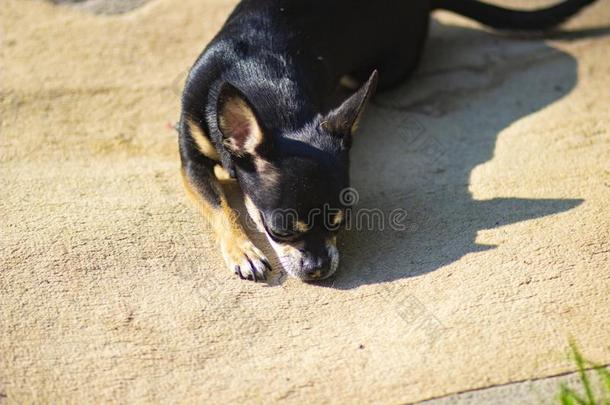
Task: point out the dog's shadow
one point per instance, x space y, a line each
420 143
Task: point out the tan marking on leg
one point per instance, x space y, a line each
222 219
237 249
221 174
204 145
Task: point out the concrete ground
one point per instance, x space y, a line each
112 289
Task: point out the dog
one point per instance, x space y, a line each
257 107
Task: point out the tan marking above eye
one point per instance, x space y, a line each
338 218
301 226
267 172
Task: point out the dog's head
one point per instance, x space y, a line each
292 181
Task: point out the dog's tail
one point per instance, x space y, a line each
506 19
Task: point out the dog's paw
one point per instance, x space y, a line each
245 260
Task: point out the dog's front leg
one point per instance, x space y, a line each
239 253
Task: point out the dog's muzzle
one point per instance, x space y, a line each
307 266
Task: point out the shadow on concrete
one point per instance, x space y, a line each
420 143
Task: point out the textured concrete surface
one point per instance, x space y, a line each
111 288
530 392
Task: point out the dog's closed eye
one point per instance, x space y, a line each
289 233
282 235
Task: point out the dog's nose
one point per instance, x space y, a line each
315 267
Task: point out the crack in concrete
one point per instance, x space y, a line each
489 387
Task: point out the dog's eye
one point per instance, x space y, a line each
282 235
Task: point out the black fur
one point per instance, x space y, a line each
284 59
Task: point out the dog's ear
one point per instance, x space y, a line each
240 127
344 119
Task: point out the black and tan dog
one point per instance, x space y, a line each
256 107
